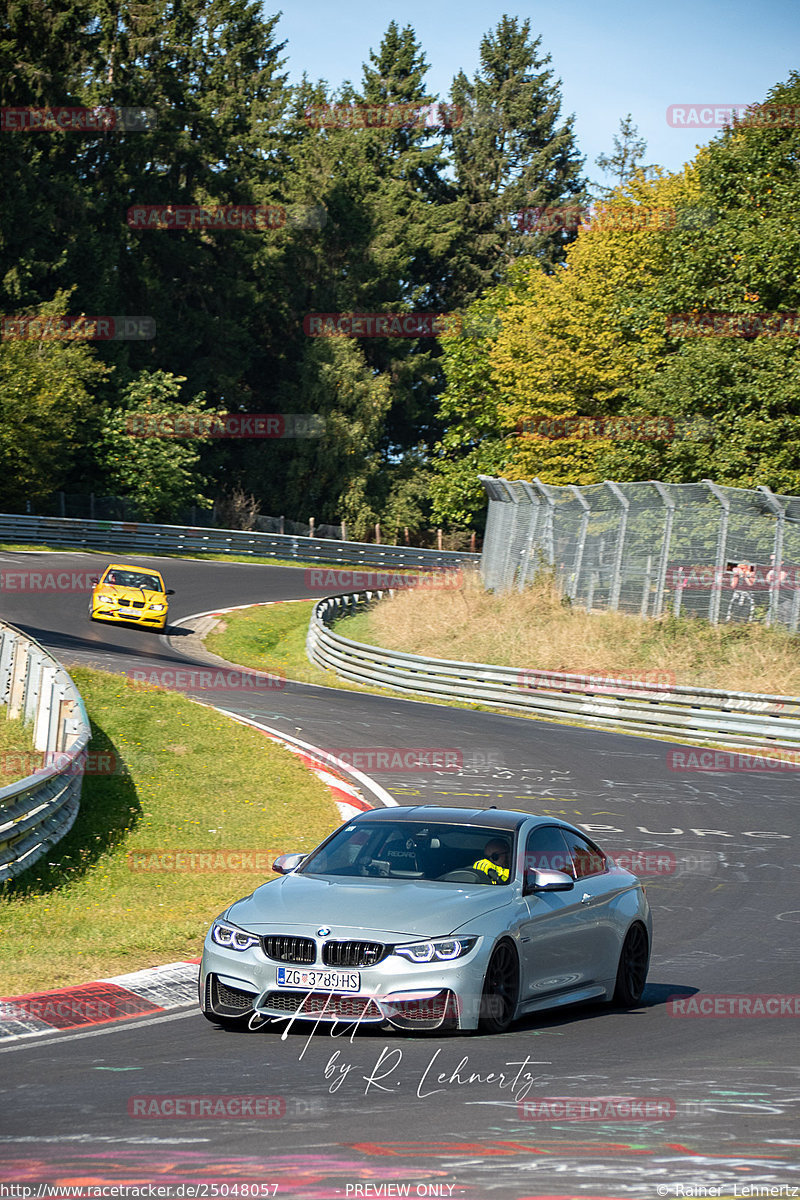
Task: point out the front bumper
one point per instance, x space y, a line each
129 616
403 994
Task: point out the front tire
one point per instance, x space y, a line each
632 970
500 990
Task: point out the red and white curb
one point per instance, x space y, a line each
174 985
139 994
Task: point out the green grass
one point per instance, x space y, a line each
188 780
209 556
272 637
17 755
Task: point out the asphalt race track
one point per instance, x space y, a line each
377 1114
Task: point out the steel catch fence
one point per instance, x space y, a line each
693 549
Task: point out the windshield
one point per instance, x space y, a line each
134 579
403 850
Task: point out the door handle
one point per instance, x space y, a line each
586 898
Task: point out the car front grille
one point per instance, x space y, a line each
289 949
332 1006
352 954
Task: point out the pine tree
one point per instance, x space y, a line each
511 153
629 150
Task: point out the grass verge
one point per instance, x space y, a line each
532 630
17 755
535 629
218 556
272 637
187 779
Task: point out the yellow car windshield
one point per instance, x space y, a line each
134 579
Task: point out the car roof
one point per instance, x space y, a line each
494 818
131 567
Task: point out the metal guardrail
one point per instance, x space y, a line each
140 537
35 812
757 722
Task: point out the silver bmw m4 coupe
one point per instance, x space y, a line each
427 918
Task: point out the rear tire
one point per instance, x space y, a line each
632 969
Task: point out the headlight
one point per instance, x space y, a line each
105 599
158 607
444 950
232 938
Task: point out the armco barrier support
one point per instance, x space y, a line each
37 811
755 722
141 538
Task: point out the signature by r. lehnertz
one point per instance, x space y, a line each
383 1076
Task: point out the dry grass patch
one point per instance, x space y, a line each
536 629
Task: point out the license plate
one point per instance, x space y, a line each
335 981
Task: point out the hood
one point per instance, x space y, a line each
127 593
356 907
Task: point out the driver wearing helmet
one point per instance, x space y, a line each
495 861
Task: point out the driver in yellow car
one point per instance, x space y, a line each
495 861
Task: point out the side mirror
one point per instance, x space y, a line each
547 881
286 863
94 579
169 592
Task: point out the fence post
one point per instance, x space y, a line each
527 554
666 538
616 575
549 522
494 543
715 598
777 551
572 590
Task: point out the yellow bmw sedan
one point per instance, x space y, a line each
130 594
